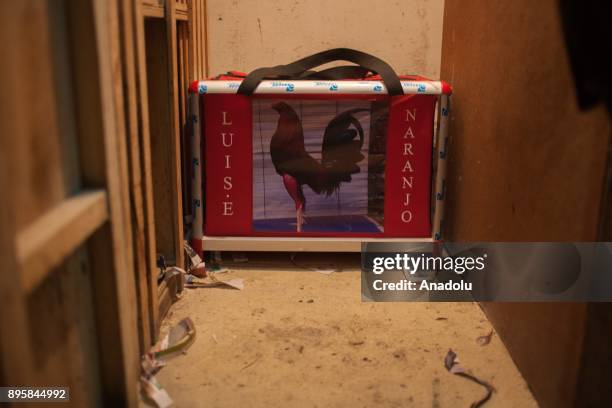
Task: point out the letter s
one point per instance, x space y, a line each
227 183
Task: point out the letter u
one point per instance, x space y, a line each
225 142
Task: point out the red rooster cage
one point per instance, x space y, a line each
286 158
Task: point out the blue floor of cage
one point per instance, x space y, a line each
329 224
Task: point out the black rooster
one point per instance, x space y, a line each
341 152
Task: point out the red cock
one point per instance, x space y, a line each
340 153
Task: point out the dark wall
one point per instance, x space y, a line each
525 165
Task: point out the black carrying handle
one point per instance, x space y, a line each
297 68
342 72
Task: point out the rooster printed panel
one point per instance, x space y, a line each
317 165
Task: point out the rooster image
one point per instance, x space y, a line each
341 151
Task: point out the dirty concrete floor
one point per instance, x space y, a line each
298 338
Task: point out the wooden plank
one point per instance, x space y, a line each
198 40
182 14
141 259
58 345
16 365
193 38
124 288
201 44
162 137
168 293
284 244
531 143
175 136
205 60
46 242
545 341
48 142
153 10
519 145
97 74
145 149
190 41
135 179
192 24
165 300
183 66
593 376
64 342
605 213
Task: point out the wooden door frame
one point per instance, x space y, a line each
166 10
97 216
192 14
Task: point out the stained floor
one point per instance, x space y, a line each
299 338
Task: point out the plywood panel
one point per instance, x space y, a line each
42 323
61 323
103 151
17 363
64 138
161 135
525 165
183 57
198 40
594 377
139 172
249 34
145 154
174 138
46 135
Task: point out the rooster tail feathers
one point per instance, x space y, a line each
341 153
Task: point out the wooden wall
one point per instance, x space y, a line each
162 142
525 165
248 34
198 40
77 217
174 43
68 316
